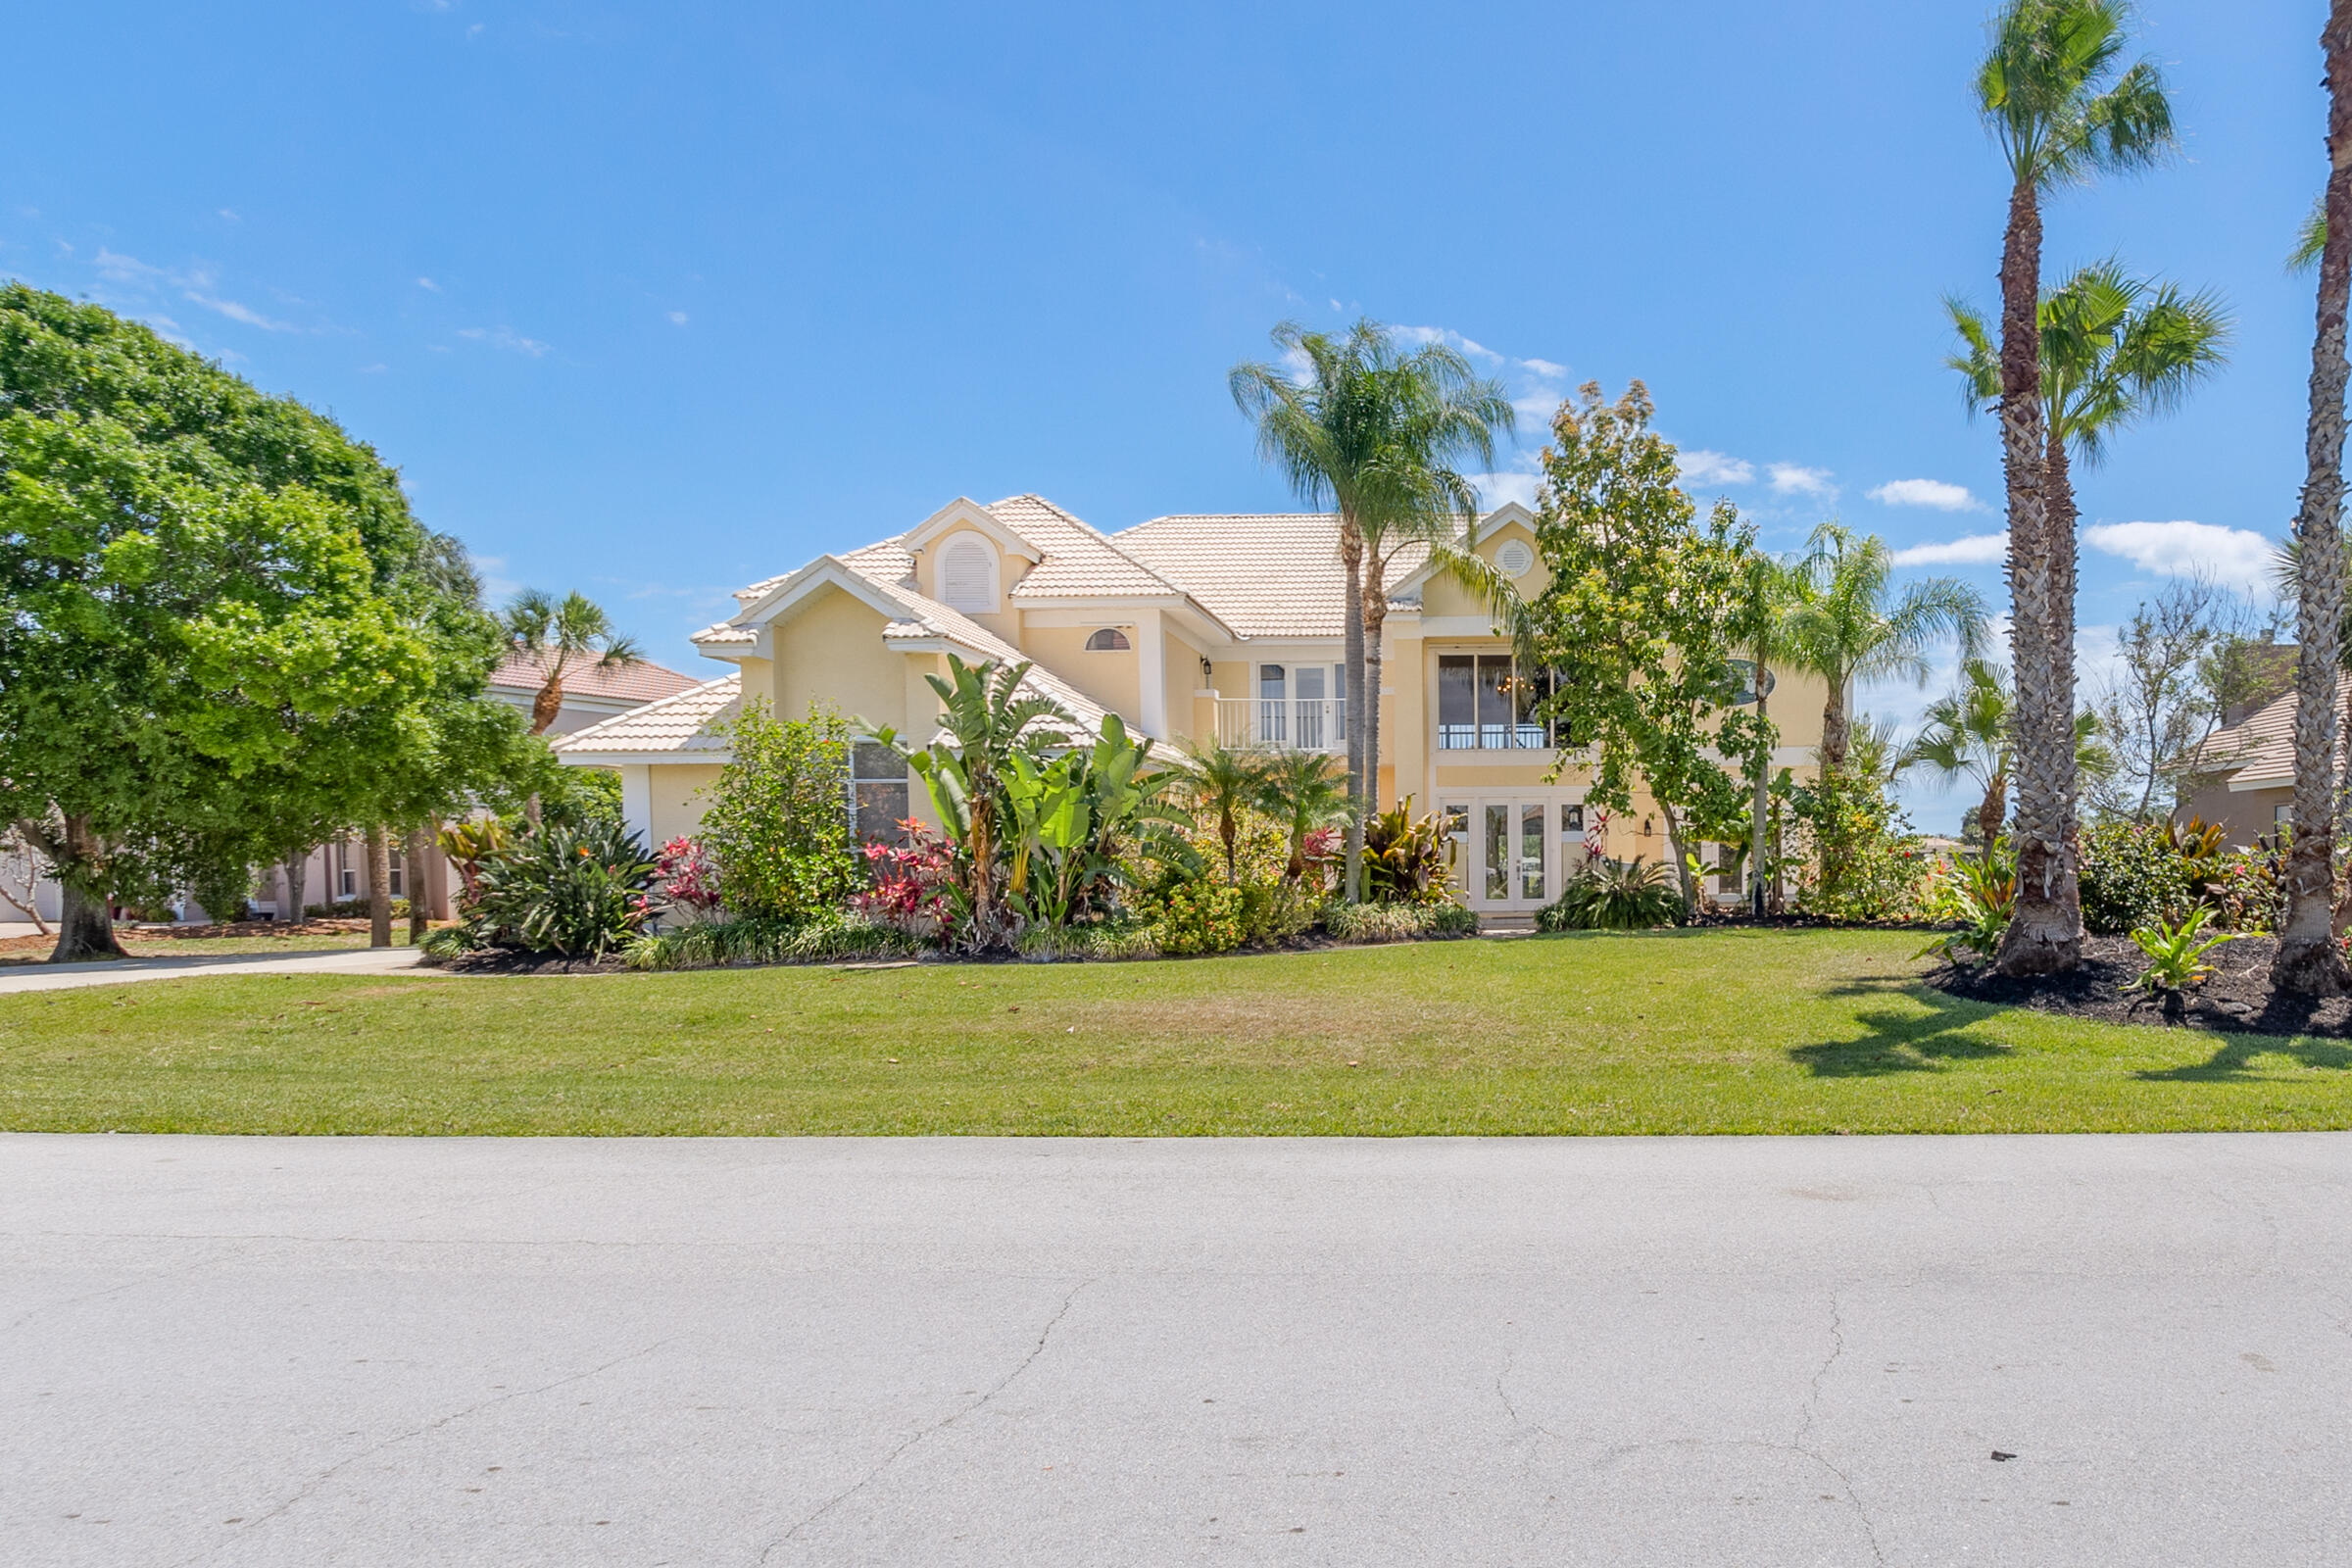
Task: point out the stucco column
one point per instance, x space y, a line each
637 801
1151 675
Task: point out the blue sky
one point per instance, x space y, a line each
652 301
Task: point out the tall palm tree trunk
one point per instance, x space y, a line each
1837 728
1763 802
2308 960
1351 555
1376 616
2046 935
2059 519
379 886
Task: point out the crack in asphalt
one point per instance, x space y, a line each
31 1312
339 1466
1804 1430
894 1454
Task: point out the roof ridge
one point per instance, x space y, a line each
644 710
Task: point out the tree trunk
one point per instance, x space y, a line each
2046 935
1351 555
379 886
1837 730
85 930
420 913
1376 614
2308 960
1682 861
1989 813
1763 801
548 706
297 870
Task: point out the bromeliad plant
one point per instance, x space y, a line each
1981 895
580 892
1614 896
2177 953
1407 858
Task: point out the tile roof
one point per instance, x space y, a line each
931 618
2258 752
1079 561
1262 573
635 683
682 726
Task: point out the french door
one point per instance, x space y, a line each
1504 850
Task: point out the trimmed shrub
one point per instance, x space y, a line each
1397 922
1125 938
1199 917
2134 877
778 825
832 937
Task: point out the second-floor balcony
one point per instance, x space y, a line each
1285 724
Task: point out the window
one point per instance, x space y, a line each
399 886
347 875
967 574
877 791
1485 704
1110 640
1743 678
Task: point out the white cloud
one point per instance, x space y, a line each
1537 410
1496 489
1704 467
239 313
428 284
2235 557
677 318
116 268
231 214
374 370
1544 367
1936 493
1972 550
1423 336
505 337
1792 479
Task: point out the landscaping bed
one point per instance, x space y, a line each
2236 997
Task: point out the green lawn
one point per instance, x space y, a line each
1710 1032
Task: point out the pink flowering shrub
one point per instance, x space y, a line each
913 887
688 879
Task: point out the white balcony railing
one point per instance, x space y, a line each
1285 723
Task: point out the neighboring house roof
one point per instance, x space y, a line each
679 725
1262 573
525 673
2258 753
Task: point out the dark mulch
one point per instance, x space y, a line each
2236 997
503 961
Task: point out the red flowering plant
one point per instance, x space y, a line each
688 880
913 883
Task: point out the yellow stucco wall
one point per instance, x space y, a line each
1181 677
1109 678
831 650
677 807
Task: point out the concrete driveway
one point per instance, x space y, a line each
967 1351
130 971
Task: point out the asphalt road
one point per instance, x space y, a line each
262 1351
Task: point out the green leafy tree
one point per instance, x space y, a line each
1639 618
1374 431
2058 99
208 592
778 821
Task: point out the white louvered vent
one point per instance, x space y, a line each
1514 557
967 576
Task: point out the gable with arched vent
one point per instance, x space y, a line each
967 574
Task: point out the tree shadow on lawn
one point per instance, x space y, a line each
2233 1060
1896 1041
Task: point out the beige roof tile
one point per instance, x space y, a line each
1265 574
679 726
636 683
1079 562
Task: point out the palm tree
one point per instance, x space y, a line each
1848 624
2050 91
1224 781
1300 790
2308 960
1967 738
562 635
1370 430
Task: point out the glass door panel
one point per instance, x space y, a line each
1498 852
1532 840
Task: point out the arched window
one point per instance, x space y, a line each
1110 640
968 576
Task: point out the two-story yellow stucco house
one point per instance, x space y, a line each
1193 629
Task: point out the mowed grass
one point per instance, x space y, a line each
1704 1032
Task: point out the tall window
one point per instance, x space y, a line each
1486 703
398 888
877 791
